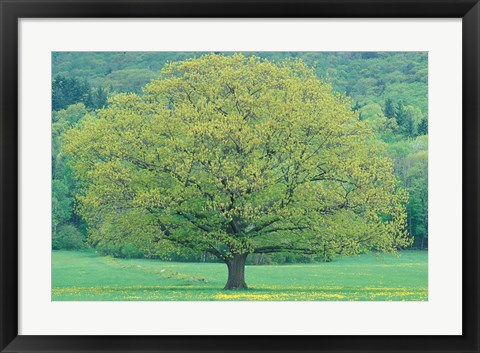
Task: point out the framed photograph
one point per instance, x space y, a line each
195 176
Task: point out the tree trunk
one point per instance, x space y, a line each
236 272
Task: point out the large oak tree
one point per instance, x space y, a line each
235 155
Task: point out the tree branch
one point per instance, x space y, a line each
262 226
274 249
193 221
190 245
285 228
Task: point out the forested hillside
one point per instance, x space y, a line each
389 90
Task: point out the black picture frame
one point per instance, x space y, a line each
11 11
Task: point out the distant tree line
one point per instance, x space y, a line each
67 91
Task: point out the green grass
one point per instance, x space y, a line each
87 276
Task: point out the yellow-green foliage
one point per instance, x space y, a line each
230 154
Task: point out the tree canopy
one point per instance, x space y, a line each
235 155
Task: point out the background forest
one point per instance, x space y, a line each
389 90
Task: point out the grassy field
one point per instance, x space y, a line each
87 276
